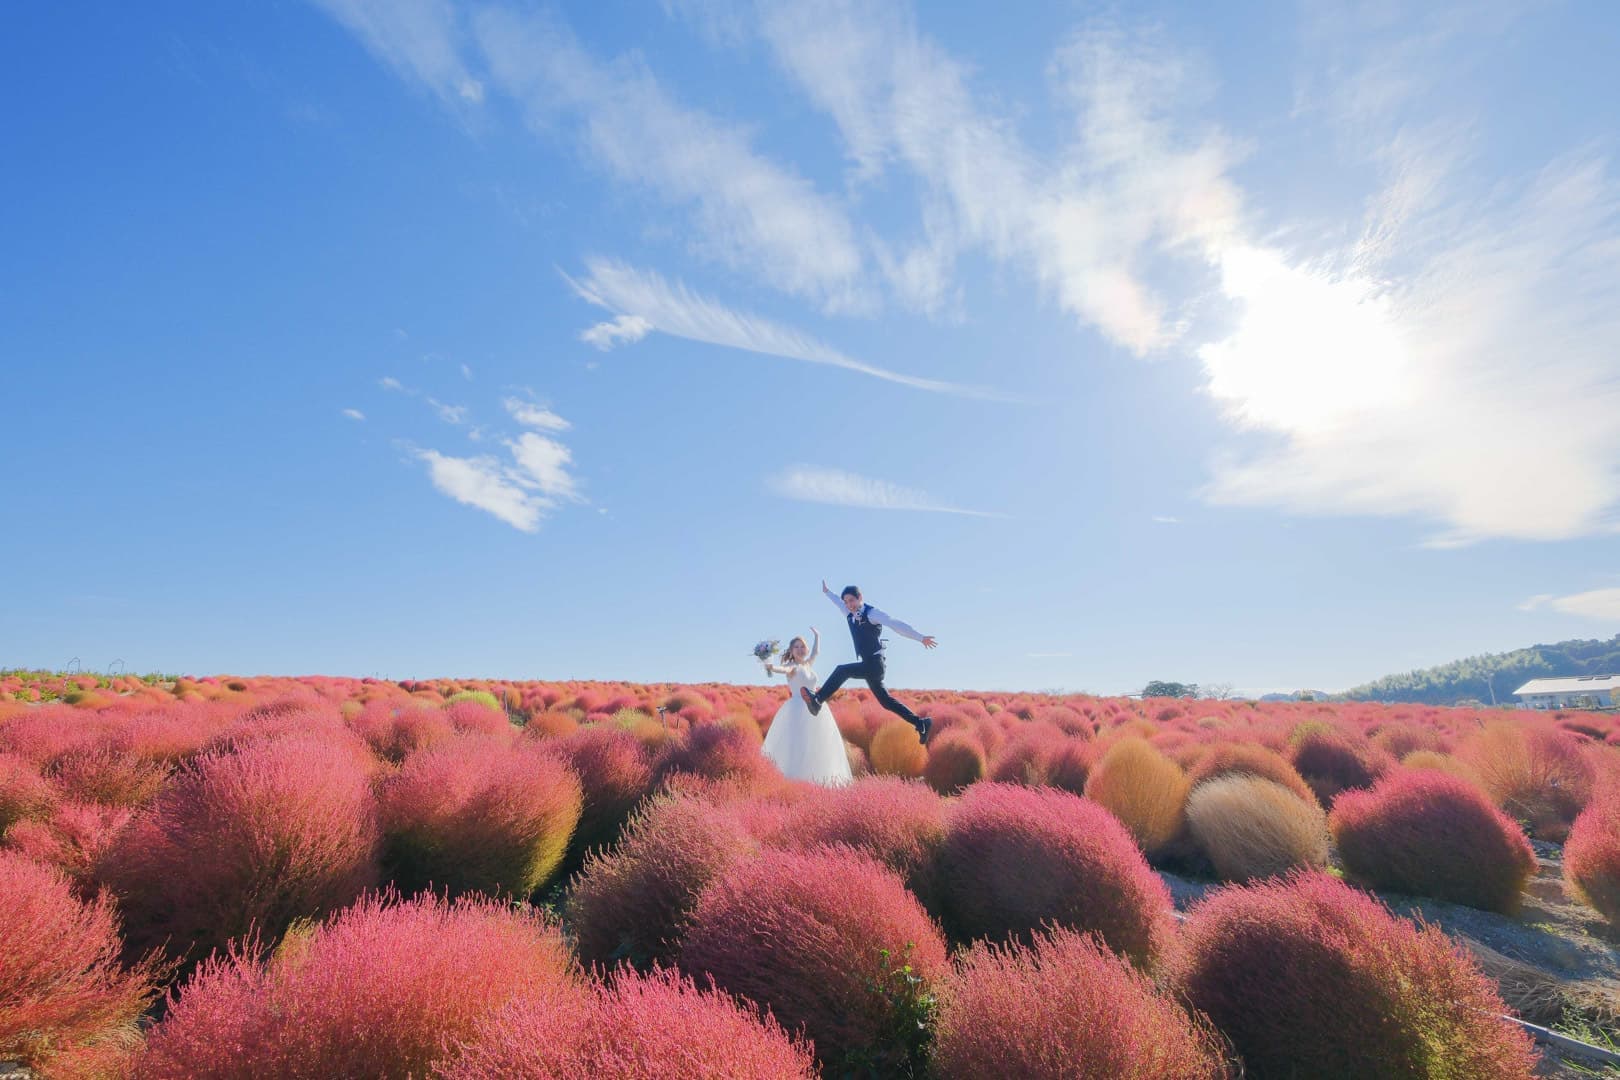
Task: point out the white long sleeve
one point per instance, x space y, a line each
885 620
815 651
838 601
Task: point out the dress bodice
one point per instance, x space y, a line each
801 675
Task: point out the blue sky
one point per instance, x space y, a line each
1276 347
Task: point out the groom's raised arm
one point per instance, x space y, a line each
838 601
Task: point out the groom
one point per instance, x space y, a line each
865 624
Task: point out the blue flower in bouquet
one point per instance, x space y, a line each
766 649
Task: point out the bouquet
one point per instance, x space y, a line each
766 649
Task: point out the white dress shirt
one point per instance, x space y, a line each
881 618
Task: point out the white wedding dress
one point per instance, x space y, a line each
806 747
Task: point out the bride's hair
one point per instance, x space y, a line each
787 653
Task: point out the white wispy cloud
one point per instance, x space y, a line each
624 330
484 482
450 414
1601 604
422 40
466 372
536 416
1166 519
388 382
671 308
814 483
520 491
542 464
354 414
1130 187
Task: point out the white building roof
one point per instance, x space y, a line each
1575 684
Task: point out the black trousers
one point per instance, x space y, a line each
870 669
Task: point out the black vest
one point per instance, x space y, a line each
865 632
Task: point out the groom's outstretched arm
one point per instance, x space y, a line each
903 629
838 601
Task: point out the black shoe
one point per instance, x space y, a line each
810 700
924 726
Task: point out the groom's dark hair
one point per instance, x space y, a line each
850 590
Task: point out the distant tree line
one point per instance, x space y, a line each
1492 677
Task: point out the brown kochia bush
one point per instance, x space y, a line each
1592 854
1144 789
1065 1009
1016 859
385 989
64 998
280 830
1249 759
896 750
1251 827
1309 977
955 760
631 903
831 942
1537 774
1426 833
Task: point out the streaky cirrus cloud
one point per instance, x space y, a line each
1601 604
422 40
672 308
354 414
817 484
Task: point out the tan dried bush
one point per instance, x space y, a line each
1254 828
1144 789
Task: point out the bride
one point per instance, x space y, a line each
805 747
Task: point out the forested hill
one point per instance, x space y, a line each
1473 677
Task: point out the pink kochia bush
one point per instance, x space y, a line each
385 989
24 793
631 903
1065 1009
899 822
478 814
614 774
63 994
1592 854
284 829
659 1026
1427 833
830 941
1309 977
1017 858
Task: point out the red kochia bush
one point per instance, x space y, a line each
1308 977
61 987
899 822
1428 833
1332 761
24 793
631 903
955 760
719 752
1592 854
1065 1009
72 839
641 1027
384 989
1016 858
109 776
476 814
614 773
285 829
822 939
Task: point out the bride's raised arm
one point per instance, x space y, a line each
815 647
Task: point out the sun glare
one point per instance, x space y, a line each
1311 352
